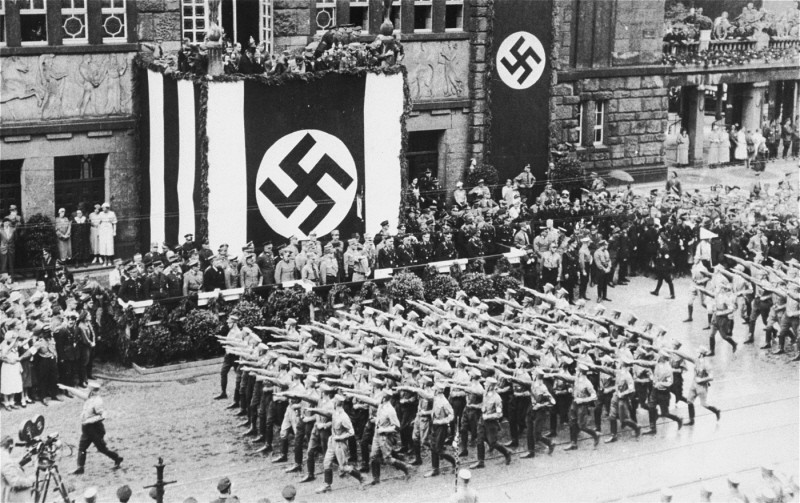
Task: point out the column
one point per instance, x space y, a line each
38 186
752 103
695 98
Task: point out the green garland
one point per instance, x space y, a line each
719 57
487 109
202 136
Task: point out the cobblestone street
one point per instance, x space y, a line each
200 443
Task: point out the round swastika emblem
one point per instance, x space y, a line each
306 183
520 60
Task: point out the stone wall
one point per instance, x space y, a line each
638 31
454 147
122 175
480 68
160 19
291 24
636 120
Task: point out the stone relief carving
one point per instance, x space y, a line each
437 70
52 87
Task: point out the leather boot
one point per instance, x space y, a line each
376 473
310 467
417 454
402 467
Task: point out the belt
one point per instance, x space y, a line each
477 406
457 395
520 394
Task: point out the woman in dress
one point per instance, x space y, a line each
64 235
94 224
741 145
683 148
758 158
10 370
725 147
80 238
106 231
714 145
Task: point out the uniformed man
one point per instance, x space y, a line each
229 360
489 425
441 416
266 262
337 448
132 288
174 277
464 494
659 394
155 286
285 269
214 275
328 267
93 430
250 275
192 279
422 421
585 261
538 412
620 401
385 440
603 264
700 384
583 401
723 306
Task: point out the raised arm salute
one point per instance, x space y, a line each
93 430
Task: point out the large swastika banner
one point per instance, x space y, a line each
283 160
303 157
520 86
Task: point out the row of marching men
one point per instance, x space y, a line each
369 388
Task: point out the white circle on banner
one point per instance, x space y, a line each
306 183
520 60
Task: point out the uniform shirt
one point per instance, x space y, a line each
602 259
250 276
492 406
583 388
442 410
192 282
328 268
623 383
284 271
341 426
386 417
540 395
584 259
92 410
662 375
703 251
460 376
701 371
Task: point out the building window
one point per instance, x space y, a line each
599 122
114 21
33 22
454 15
394 15
2 22
266 24
10 183
423 15
73 21
423 153
194 20
326 14
79 181
580 125
359 13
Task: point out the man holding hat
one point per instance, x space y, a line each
93 430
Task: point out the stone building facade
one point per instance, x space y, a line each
67 127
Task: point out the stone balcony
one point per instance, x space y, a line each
693 47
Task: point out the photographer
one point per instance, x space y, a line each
92 429
16 485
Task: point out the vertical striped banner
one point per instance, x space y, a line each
155 88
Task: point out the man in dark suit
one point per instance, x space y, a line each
214 276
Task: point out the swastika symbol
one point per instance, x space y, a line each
306 183
520 60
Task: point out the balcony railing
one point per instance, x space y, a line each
728 45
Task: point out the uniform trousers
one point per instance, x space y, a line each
469 426
535 420
94 433
488 430
516 416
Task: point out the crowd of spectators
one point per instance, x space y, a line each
751 24
341 48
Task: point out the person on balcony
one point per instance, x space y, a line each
722 28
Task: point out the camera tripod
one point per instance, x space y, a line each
46 474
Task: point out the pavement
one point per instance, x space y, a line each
173 416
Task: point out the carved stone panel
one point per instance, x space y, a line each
52 87
437 70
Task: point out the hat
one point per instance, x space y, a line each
491 380
94 385
338 399
291 322
224 484
464 474
384 223
124 493
193 262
